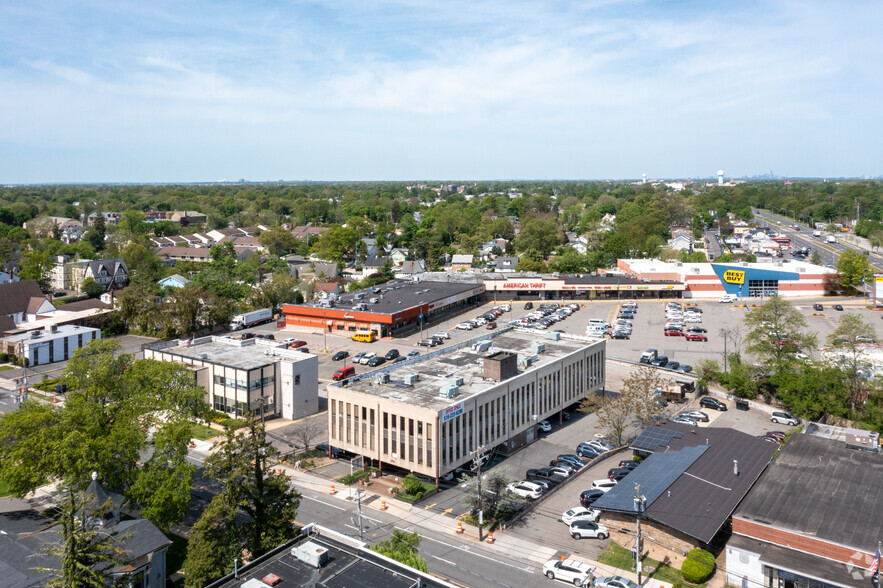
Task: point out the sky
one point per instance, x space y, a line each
122 91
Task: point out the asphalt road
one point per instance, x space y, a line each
830 251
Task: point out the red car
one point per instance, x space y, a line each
674 333
696 337
491 325
296 344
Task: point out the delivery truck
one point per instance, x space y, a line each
250 319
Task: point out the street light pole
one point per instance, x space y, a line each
639 507
478 454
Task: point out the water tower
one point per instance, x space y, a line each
720 177
643 178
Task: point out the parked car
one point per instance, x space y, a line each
684 421
400 359
391 354
295 344
376 361
528 305
588 497
838 307
615 582
672 365
696 415
582 528
600 444
785 418
605 484
358 357
340 355
619 334
580 513
414 353
464 326
780 435
695 329
588 451
629 464
343 373
427 342
491 326
818 306
574 460
59 389
367 357
618 473
568 570
526 489
770 437
545 474
442 335
660 361
685 369
563 470
709 402
691 336
544 426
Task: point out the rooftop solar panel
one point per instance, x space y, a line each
653 437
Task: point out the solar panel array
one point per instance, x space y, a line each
654 437
655 475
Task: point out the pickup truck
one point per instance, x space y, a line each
545 474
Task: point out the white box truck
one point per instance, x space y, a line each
250 319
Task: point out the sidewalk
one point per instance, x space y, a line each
409 515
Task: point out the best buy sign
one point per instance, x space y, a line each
734 277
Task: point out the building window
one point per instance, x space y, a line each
297 379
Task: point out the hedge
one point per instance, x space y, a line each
698 566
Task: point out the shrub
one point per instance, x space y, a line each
4 357
419 495
698 566
412 484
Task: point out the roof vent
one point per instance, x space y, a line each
382 378
311 553
537 347
410 379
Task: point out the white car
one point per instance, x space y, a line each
481 321
604 484
526 489
564 472
600 444
785 418
727 298
442 335
569 570
464 327
544 426
580 513
367 357
586 528
694 319
615 582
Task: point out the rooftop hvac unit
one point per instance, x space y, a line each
455 381
482 346
311 553
537 347
411 378
382 378
448 391
35 334
524 361
553 336
53 328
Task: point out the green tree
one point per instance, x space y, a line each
495 498
854 269
88 552
615 414
570 261
278 290
850 336
245 463
131 223
777 331
538 238
816 257
403 547
144 265
35 265
278 241
642 391
92 289
698 566
214 544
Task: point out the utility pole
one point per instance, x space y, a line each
639 507
359 505
477 458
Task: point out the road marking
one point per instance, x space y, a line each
325 503
447 561
430 506
448 511
466 548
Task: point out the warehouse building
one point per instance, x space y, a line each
395 307
251 375
426 415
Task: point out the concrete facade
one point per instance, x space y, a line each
55 343
426 415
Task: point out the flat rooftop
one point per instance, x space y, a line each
437 368
399 295
45 335
244 355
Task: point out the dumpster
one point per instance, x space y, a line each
741 405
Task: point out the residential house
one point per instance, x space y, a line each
110 218
506 263
461 262
69 229
9 272
681 243
296 265
187 217
326 289
398 256
307 231
169 255
24 301
173 281
218 234
411 267
373 266
371 246
110 273
329 270
677 231
27 535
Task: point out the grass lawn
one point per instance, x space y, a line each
3 368
622 558
202 432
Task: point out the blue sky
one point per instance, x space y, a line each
342 90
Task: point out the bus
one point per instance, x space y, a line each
365 336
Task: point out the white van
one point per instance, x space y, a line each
830 239
598 323
727 298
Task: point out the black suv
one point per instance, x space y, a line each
391 354
709 402
528 305
588 497
660 361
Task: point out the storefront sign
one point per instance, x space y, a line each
525 285
452 411
734 277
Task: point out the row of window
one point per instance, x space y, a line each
252 385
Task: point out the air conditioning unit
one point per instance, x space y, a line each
311 553
455 381
411 378
482 346
537 347
448 391
382 378
553 336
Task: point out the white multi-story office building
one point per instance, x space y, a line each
426 415
254 375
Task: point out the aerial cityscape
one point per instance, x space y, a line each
406 294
